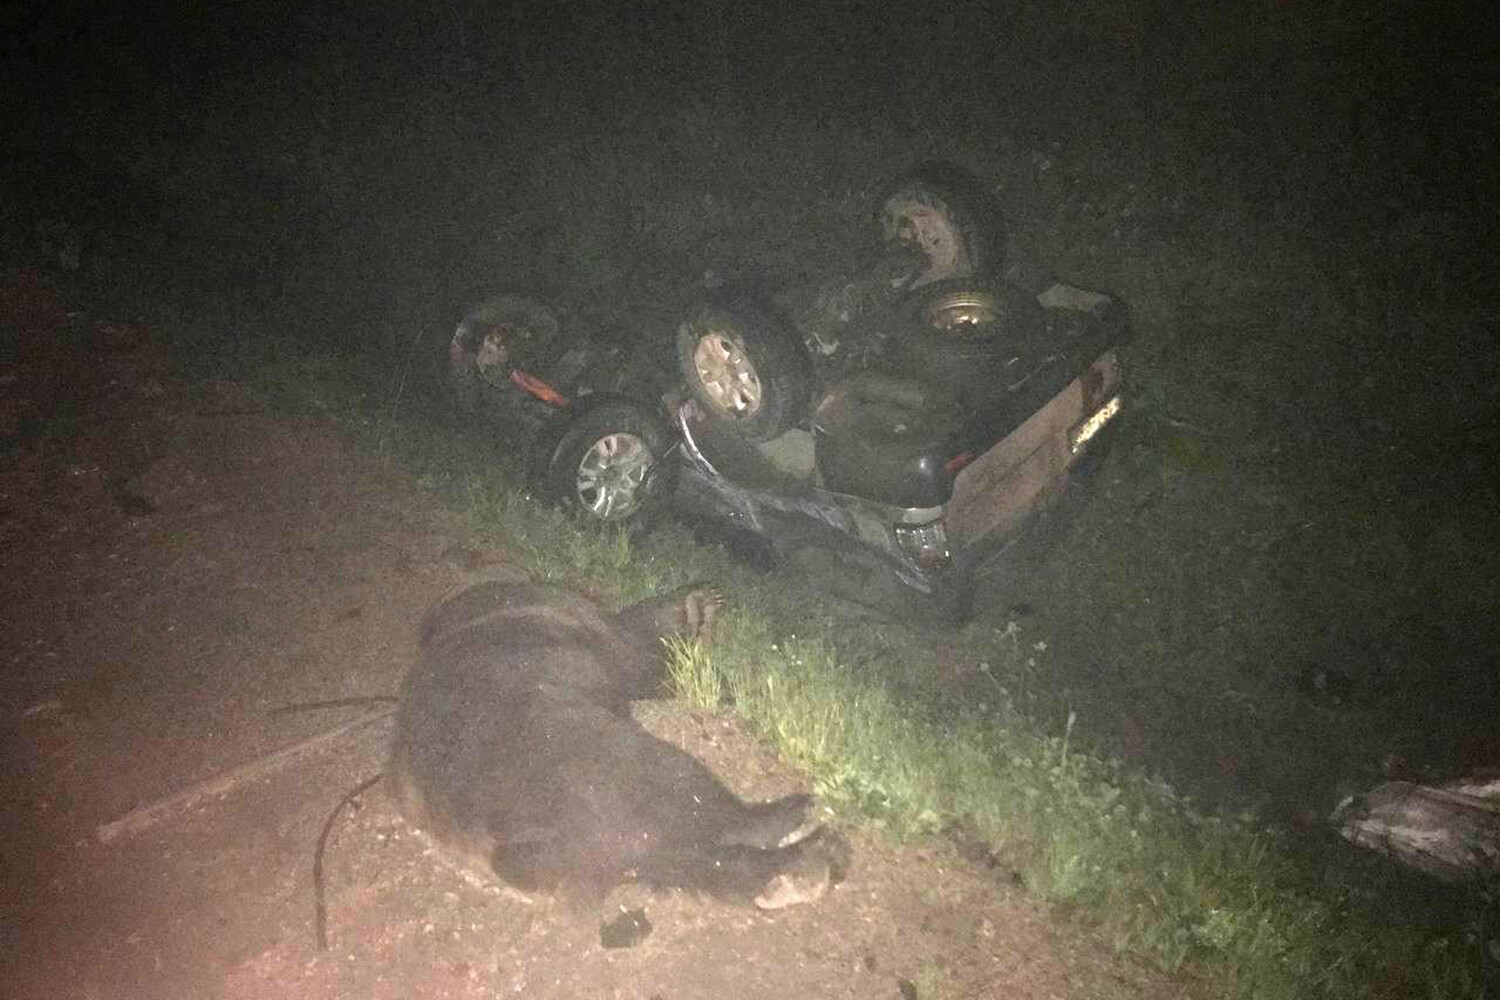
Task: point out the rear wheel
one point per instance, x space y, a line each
945 212
956 335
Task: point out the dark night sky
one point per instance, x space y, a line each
1282 90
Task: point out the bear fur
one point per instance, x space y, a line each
516 752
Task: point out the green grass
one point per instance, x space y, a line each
893 738
694 678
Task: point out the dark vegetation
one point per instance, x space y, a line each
1290 576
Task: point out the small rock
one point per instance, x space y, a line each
627 930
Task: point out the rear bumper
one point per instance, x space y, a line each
1030 468
1034 534
1002 495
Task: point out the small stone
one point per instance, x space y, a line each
627 930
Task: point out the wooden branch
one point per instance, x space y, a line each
146 816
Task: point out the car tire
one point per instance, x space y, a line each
944 210
954 334
609 463
745 367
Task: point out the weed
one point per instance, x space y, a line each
691 671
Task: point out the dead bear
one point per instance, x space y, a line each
516 752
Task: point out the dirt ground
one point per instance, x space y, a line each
181 558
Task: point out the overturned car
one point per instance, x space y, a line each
904 420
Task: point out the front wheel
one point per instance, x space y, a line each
608 464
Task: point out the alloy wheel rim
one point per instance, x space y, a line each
727 375
612 474
963 312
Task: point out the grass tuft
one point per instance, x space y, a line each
692 673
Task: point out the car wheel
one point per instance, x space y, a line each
945 212
608 463
490 341
955 334
958 310
745 367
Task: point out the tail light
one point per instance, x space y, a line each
1092 425
926 545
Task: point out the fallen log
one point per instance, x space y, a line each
1449 831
